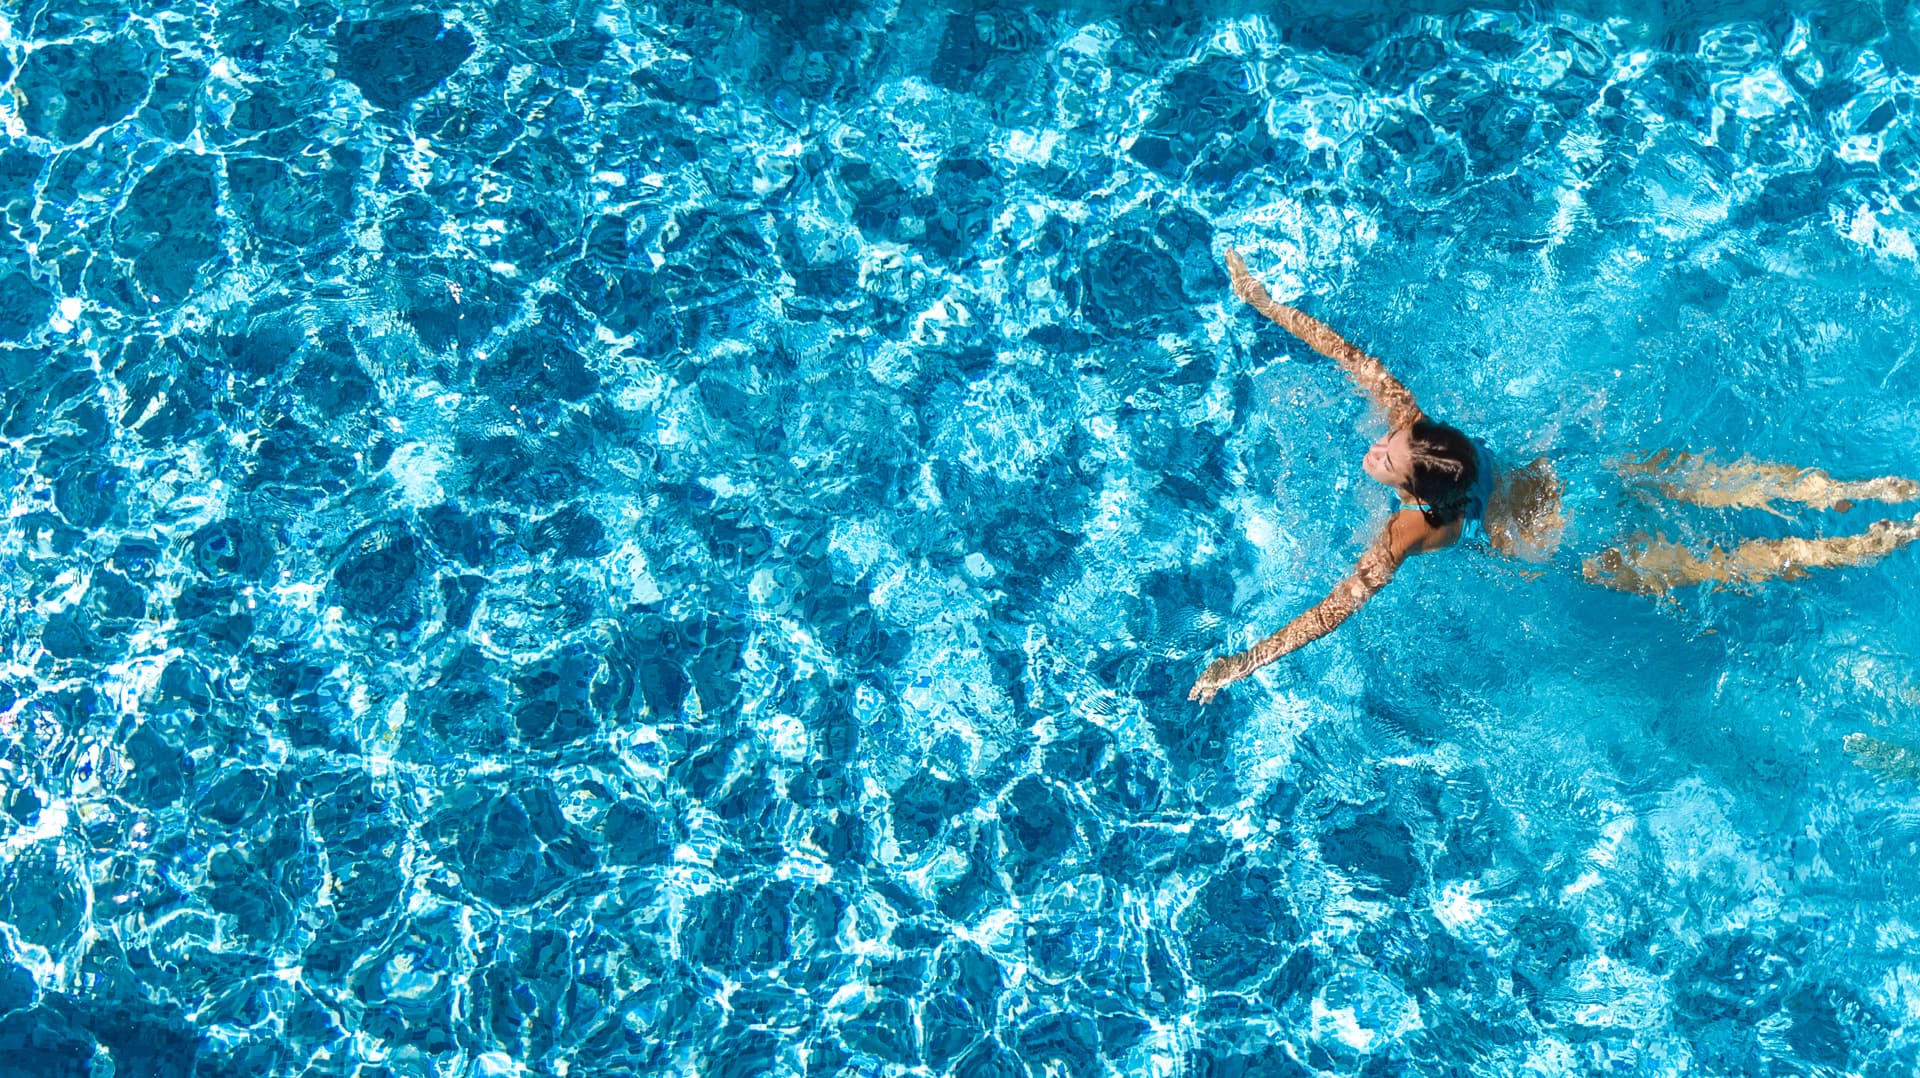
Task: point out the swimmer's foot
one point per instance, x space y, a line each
1883 758
1751 484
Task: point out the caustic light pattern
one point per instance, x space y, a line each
672 538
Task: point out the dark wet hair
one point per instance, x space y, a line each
1445 467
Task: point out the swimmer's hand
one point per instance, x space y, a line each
1219 674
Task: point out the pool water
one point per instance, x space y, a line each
673 538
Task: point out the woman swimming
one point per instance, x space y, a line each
1455 490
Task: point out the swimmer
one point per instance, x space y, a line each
1453 489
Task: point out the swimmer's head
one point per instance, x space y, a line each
1430 463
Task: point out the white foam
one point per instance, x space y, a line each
786 737
1456 908
416 468
48 823
67 315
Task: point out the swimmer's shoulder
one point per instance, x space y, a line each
1409 533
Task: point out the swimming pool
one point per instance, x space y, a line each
672 539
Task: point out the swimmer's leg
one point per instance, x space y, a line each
1752 484
1883 758
1655 566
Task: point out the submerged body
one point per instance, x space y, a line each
1456 489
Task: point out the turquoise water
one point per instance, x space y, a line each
672 539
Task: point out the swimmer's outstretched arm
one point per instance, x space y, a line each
1406 533
1369 373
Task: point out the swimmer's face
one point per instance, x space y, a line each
1391 460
